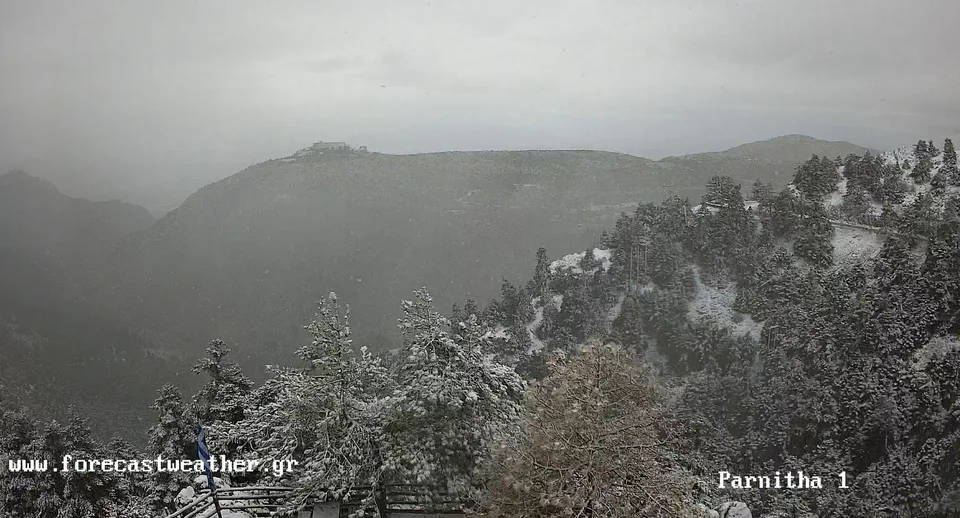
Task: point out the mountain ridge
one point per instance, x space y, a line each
265 243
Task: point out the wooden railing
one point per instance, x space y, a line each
262 500
266 501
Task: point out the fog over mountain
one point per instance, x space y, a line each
374 227
136 102
606 259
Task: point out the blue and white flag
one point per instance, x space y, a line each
205 456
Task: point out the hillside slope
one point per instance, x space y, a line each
246 258
61 233
772 160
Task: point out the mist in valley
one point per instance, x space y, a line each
388 241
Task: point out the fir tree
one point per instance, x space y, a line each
855 204
949 167
723 191
605 240
222 397
541 274
326 417
58 492
451 405
525 309
456 316
815 177
18 491
508 302
131 488
761 192
470 308
589 262
173 437
923 158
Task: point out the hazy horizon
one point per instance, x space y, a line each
142 103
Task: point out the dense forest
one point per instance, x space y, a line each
593 388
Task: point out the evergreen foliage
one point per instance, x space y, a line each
849 367
450 405
173 437
222 397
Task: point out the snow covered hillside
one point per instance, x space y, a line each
573 262
715 304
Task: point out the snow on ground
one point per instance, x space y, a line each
696 209
614 311
498 332
604 256
190 493
901 153
892 157
568 262
716 304
572 261
533 326
557 301
836 197
906 153
851 245
936 347
910 197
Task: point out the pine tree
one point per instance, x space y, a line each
628 326
924 163
815 177
451 406
327 417
939 182
723 191
919 217
548 325
856 204
63 493
456 316
665 260
541 274
761 192
525 311
949 167
172 438
520 343
222 397
605 240
131 488
470 308
18 491
589 263
576 312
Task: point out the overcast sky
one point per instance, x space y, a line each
149 100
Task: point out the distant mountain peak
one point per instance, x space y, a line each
19 178
793 137
793 148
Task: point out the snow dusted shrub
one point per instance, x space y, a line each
596 443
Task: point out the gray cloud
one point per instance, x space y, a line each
149 100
